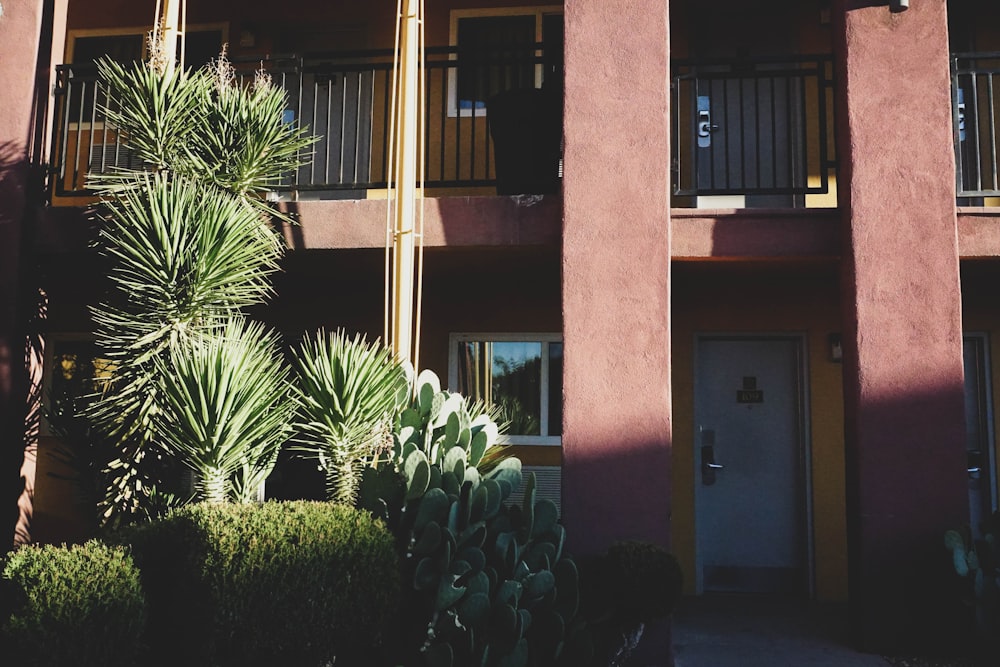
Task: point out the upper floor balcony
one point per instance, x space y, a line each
750 129
749 132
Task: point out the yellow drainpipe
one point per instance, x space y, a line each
168 30
405 178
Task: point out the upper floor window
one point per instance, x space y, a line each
202 43
519 374
498 50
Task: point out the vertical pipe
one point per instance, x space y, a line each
405 178
969 138
992 127
168 32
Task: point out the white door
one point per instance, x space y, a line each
978 433
750 460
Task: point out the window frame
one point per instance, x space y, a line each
491 337
456 15
51 341
141 31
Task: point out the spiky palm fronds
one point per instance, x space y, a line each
181 249
182 257
190 239
226 407
348 389
249 147
204 124
156 114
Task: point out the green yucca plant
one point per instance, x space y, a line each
191 241
349 391
205 124
182 256
248 146
226 407
156 114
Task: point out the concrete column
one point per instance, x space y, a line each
616 273
20 34
902 320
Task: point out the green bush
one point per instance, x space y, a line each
283 583
632 584
80 605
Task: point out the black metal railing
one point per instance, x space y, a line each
344 99
756 127
974 115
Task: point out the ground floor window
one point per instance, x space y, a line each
521 374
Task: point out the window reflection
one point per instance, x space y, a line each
523 379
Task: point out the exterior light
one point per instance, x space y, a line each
896 6
836 348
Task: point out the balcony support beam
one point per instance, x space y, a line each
903 389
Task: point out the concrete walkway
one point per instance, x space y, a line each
737 631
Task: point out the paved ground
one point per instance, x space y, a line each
724 631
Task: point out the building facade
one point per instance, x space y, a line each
732 265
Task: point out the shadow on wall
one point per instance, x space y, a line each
906 485
17 190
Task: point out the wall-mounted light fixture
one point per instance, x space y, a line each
896 6
836 348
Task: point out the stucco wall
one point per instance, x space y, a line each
903 340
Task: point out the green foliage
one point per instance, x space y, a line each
297 583
157 114
190 240
183 257
205 125
623 590
490 584
225 408
245 145
79 605
349 392
977 563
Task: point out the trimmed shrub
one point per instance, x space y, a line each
631 585
80 605
282 583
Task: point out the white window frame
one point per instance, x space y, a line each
539 12
545 339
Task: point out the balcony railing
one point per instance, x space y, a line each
343 99
974 111
759 127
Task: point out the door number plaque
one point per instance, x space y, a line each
749 393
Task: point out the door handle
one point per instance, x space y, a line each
705 125
974 463
708 464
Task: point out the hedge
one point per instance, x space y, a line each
80 605
282 583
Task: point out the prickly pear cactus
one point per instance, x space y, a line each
978 562
490 582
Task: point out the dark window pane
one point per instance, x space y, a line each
555 388
121 48
494 55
